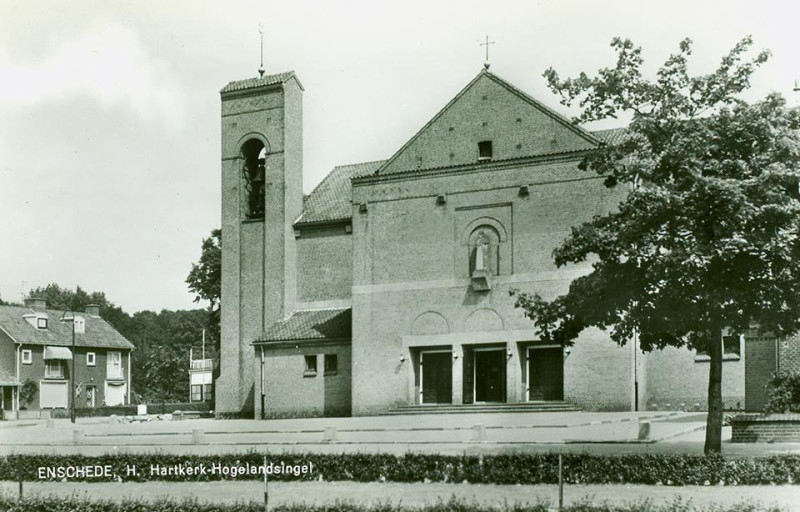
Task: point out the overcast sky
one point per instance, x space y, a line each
109 111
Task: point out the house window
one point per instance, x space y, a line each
485 150
41 323
53 369
331 364
206 392
311 366
90 359
731 349
731 346
80 325
27 357
197 392
114 365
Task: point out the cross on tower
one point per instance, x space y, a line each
261 69
486 44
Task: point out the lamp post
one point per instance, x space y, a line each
73 379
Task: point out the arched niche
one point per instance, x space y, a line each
483 319
430 322
253 153
488 236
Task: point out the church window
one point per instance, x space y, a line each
254 153
331 364
485 150
311 366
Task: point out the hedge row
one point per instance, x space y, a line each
651 469
73 504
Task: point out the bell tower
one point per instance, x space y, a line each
262 195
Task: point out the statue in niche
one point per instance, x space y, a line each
481 252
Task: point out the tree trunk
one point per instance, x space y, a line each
714 420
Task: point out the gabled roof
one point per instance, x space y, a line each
570 138
252 83
612 136
330 200
98 333
319 324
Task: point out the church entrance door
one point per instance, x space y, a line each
545 373
437 377
490 375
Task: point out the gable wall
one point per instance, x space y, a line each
486 111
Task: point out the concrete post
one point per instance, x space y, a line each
197 435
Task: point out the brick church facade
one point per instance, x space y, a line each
389 284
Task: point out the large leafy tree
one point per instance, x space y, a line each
205 279
707 236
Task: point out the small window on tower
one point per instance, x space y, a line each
485 150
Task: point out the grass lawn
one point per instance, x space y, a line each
416 494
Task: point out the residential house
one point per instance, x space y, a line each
40 347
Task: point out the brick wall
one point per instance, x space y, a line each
486 111
408 262
789 353
677 379
86 375
782 428
291 392
258 257
324 263
761 363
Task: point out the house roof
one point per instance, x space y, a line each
319 324
331 199
98 333
252 83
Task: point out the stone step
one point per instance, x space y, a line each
482 408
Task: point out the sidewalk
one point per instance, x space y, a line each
786 497
602 433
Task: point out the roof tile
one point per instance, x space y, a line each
317 324
251 83
331 200
98 333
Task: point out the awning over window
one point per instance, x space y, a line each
57 353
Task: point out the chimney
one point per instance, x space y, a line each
35 303
93 310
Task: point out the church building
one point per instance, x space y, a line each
388 286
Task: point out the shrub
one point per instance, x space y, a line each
75 504
784 394
27 391
650 469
